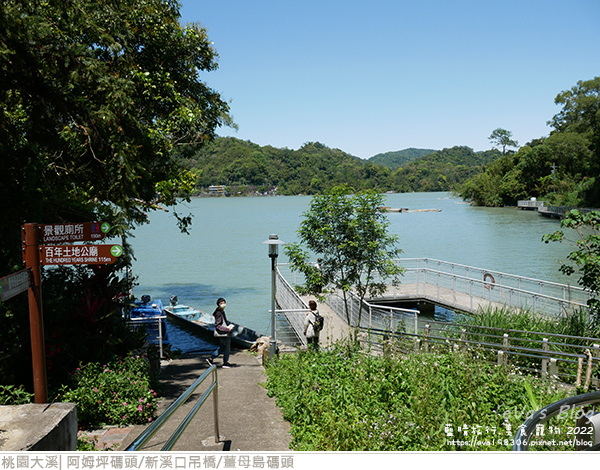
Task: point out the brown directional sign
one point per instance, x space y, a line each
14 284
79 254
77 232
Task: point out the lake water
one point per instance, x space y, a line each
223 256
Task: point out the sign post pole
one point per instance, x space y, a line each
36 320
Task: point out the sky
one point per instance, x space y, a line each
376 76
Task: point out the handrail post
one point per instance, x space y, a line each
216 405
501 358
160 338
595 354
545 347
588 373
506 346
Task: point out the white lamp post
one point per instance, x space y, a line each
273 243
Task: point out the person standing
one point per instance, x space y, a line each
222 331
311 333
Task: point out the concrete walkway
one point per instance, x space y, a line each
334 328
248 419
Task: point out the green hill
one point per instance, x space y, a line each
394 160
443 170
245 167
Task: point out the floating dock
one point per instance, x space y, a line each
404 209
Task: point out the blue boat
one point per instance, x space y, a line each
151 314
203 324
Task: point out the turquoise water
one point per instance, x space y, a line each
224 256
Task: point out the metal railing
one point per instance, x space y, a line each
530 204
444 283
468 288
290 326
149 322
550 210
292 306
372 315
560 211
565 357
161 420
432 279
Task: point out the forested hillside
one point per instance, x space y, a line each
245 167
444 170
561 169
394 160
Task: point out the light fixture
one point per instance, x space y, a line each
273 243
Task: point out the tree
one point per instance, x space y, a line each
580 114
581 109
503 138
94 98
586 258
349 234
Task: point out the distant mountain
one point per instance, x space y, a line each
443 170
248 168
394 160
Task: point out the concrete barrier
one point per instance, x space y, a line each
38 427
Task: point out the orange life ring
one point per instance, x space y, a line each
488 281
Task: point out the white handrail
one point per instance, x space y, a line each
431 277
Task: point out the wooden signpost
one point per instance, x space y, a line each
37 253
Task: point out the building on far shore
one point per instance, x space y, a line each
217 190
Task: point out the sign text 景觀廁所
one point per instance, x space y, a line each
76 232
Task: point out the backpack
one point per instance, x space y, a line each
319 321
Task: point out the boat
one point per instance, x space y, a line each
151 314
391 209
203 324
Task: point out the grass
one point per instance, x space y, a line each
346 399
529 330
577 323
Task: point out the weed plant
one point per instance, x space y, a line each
576 323
13 395
117 393
527 330
346 399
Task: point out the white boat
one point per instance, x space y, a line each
203 323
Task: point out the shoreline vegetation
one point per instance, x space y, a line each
245 168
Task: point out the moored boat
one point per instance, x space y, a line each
203 324
151 314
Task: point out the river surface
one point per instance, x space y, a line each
223 256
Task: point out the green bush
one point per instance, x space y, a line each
346 400
12 395
116 393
